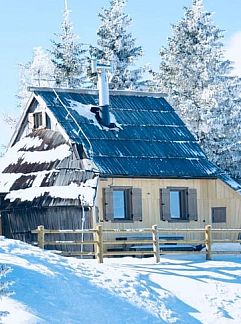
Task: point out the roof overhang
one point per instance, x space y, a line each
105 176
95 92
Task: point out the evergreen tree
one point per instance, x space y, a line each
196 77
38 72
118 46
68 56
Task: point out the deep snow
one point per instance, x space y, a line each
181 289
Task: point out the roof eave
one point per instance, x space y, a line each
95 92
212 177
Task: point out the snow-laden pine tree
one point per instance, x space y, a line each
196 77
38 72
117 45
68 56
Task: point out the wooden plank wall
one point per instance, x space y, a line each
17 224
210 193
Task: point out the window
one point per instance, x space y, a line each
219 214
38 120
178 204
122 204
175 204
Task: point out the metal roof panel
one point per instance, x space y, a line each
150 139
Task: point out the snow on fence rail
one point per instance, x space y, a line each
140 245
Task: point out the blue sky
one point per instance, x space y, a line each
27 24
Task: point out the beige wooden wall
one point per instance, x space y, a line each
210 193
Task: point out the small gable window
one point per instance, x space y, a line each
178 204
219 214
122 204
37 120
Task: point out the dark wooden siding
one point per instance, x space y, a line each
17 224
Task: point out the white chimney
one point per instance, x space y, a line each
103 87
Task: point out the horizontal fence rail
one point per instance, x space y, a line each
138 242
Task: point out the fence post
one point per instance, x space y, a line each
41 236
99 246
155 239
208 241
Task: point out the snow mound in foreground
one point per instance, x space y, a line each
181 289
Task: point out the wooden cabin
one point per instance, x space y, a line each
142 167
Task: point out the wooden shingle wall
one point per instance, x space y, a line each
18 224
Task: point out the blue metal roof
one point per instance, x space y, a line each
150 140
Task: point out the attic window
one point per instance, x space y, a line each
37 120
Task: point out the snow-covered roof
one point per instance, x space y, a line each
42 169
229 181
147 138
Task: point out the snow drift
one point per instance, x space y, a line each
181 289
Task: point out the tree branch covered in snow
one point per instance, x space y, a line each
117 45
68 56
38 72
10 120
196 76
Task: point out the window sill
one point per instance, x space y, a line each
178 221
120 221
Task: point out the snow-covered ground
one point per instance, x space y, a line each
181 289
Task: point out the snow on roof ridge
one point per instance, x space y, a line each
95 91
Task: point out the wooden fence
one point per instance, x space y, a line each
99 242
